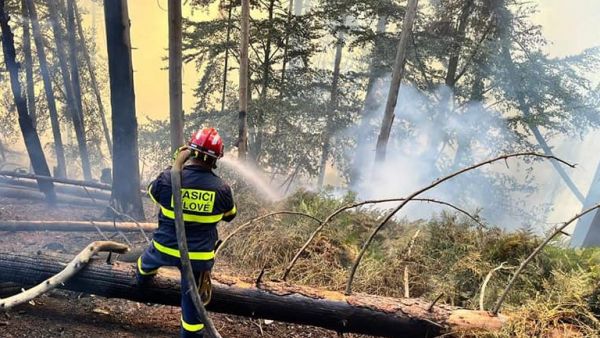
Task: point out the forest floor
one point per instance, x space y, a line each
68 314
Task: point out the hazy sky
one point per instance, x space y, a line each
571 26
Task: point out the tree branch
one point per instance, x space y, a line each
358 204
535 253
485 283
431 186
245 225
78 263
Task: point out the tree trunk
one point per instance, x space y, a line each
587 230
242 142
397 75
457 44
371 103
266 79
298 5
126 173
266 70
226 63
95 88
32 141
365 314
61 170
518 87
175 81
333 104
28 65
72 105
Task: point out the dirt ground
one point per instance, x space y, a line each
67 314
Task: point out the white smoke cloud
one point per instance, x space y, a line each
423 147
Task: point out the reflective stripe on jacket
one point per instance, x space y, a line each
206 200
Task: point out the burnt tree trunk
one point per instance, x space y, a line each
366 314
32 141
28 64
175 81
242 142
61 169
94 81
126 173
397 75
72 105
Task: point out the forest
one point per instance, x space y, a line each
396 168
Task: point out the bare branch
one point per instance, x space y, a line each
256 219
485 283
408 253
535 253
78 263
358 204
429 187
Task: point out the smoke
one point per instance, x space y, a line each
433 136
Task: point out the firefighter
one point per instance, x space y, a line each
206 201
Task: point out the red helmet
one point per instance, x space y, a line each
207 141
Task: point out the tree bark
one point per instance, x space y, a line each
126 173
175 81
242 142
366 314
61 170
32 141
72 105
95 87
333 104
75 226
397 75
28 65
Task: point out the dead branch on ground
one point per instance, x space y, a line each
78 263
485 283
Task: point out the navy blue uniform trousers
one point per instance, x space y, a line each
147 266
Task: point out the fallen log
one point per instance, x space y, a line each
96 185
88 184
24 193
75 226
358 313
60 188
